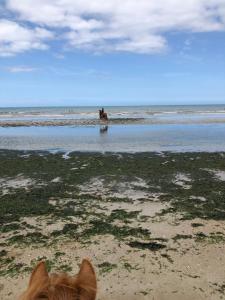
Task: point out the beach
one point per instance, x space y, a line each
112 150
142 196
152 223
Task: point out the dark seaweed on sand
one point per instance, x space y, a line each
157 170
61 200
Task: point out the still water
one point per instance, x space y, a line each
116 138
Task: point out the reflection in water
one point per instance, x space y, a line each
103 129
118 138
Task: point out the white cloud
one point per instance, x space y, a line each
20 69
15 38
113 25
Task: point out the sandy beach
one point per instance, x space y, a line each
153 224
112 150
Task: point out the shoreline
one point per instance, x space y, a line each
115 121
58 152
70 122
107 153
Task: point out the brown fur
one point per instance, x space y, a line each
61 286
103 115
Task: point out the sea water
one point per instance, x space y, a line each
208 134
154 112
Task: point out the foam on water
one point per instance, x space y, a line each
51 113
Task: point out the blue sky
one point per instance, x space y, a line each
129 53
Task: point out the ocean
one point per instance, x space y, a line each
186 128
154 112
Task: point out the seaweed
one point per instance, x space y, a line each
182 237
158 171
28 239
196 225
152 246
99 227
106 267
121 214
68 229
212 238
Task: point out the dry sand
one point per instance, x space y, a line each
188 268
193 271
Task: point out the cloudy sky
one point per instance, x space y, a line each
94 52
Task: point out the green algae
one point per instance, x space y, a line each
106 267
150 167
157 171
152 246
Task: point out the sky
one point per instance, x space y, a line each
111 52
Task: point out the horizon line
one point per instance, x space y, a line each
134 105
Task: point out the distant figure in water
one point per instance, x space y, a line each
103 115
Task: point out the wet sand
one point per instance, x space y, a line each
111 121
69 122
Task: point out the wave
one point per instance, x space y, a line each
113 112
